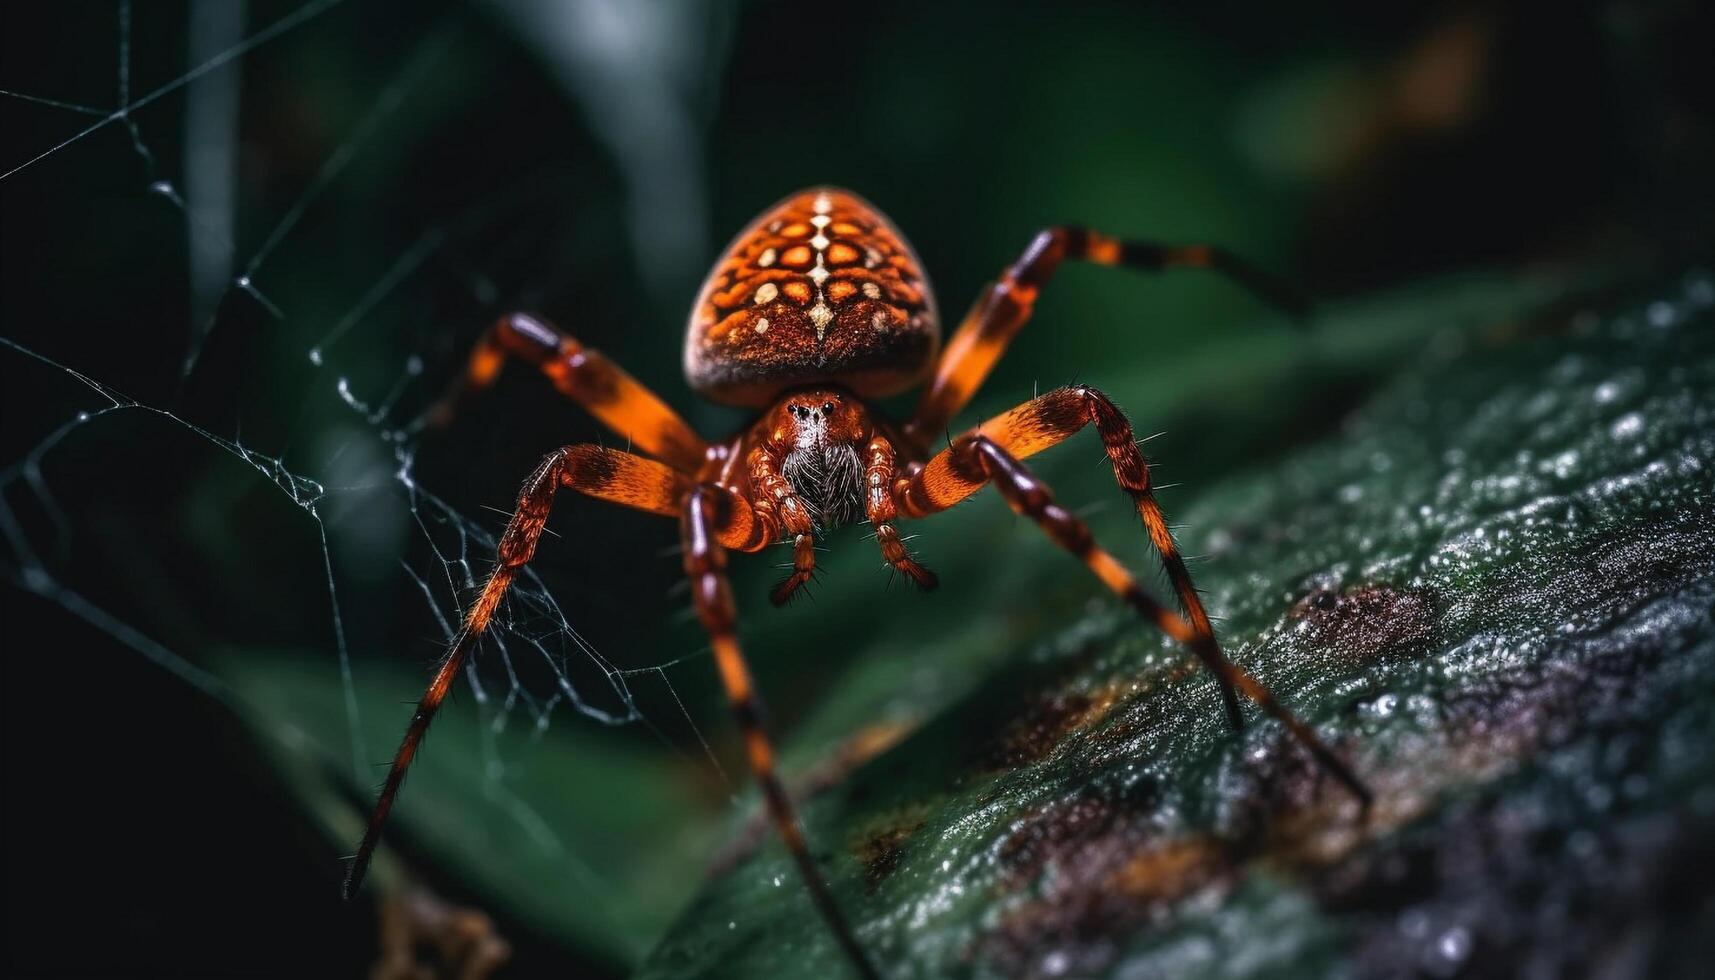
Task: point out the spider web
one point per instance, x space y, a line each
534 665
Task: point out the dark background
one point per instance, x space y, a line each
1351 146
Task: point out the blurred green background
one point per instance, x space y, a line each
391 178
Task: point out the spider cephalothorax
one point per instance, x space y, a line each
824 430
816 307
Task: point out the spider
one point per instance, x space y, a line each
814 310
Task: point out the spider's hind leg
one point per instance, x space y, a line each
1005 306
976 459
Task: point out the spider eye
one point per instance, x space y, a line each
828 408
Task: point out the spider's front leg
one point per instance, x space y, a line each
610 394
879 473
976 459
1005 307
605 474
715 519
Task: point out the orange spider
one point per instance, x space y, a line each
816 308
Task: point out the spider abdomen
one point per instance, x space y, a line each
820 288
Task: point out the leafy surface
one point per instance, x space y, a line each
582 839
1492 590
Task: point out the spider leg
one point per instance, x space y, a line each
976 459
880 471
1049 420
707 522
803 570
605 474
1005 307
585 376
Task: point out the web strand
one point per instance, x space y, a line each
532 630
303 14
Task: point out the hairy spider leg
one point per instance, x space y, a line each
1006 304
606 474
1053 418
976 459
711 514
803 570
880 469
653 487
588 378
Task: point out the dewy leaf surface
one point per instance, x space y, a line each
1492 589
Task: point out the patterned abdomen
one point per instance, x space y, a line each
820 289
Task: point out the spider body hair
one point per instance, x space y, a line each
822 466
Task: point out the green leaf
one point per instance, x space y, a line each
1042 723
582 838
1492 589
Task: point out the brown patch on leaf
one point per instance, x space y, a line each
1098 872
881 848
1097 868
1074 930
1042 726
1046 723
1095 871
1168 872
864 745
1101 869
1368 621
1053 832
